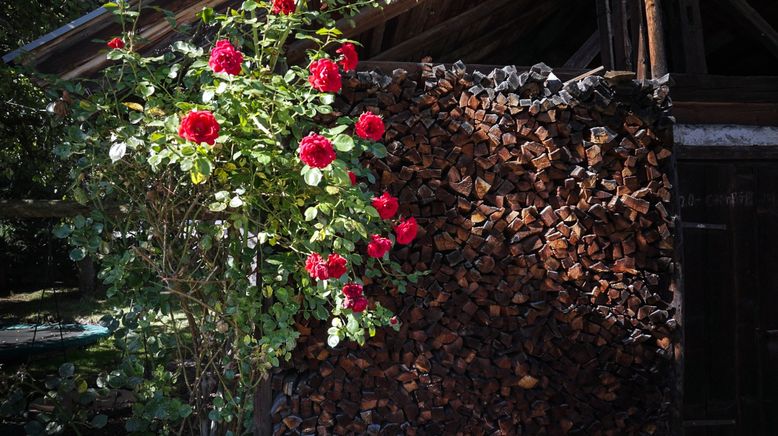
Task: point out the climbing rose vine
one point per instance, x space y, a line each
231 207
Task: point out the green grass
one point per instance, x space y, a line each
52 305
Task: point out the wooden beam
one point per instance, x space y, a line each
692 37
725 135
442 31
363 21
41 209
761 153
149 35
700 112
711 88
605 29
586 53
755 24
656 38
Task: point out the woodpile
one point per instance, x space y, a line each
546 226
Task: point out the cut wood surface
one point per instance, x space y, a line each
546 227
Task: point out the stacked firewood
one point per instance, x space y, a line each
546 228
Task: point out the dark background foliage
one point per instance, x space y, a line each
29 133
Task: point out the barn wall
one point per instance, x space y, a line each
545 227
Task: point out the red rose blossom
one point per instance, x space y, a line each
370 126
406 231
325 76
115 43
285 7
336 265
350 58
358 304
393 320
386 205
224 58
317 267
199 126
352 177
378 246
352 290
316 151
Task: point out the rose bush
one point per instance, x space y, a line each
227 210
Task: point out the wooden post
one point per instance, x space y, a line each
656 38
693 40
642 63
606 34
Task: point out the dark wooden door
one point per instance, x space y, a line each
729 211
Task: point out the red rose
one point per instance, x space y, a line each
358 304
378 246
325 76
350 58
115 43
393 320
285 7
406 231
199 126
370 126
316 151
224 58
386 205
336 265
317 267
353 178
352 290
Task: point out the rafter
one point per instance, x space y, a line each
442 31
756 25
586 53
352 26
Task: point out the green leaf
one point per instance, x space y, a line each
201 170
378 150
67 369
337 129
313 177
333 341
236 202
110 5
343 143
310 213
62 231
249 5
206 15
327 99
145 89
208 95
114 55
77 254
99 421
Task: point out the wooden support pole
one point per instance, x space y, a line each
656 38
606 34
693 41
642 63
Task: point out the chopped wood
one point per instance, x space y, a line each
545 231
